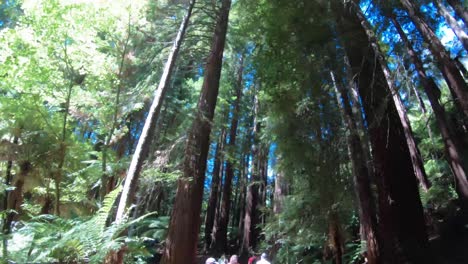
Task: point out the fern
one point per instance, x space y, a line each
48 238
89 237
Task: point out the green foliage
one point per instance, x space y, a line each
49 238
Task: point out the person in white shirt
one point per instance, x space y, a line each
233 260
263 259
211 261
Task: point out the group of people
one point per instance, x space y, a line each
234 260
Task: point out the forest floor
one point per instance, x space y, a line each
450 245
451 249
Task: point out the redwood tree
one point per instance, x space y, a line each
215 182
361 176
401 219
416 158
181 242
251 214
224 213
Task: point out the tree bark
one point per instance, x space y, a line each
144 142
252 217
263 171
335 238
361 177
357 111
452 22
279 195
215 182
6 227
242 197
401 219
223 220
452 75
236 204
281 191
416 159
451 142
181 242
459 9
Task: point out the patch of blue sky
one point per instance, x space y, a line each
272 159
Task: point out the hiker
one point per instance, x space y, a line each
211 261
252 259
263 259
222 260
233 260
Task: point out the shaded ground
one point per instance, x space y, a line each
450 241
451 249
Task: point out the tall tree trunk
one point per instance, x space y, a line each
6 227
15 197
181 242
281 190
361 177
416 159
242 198
263 171
451 142
452 75
144 142
460 10
279 195
335 238
223 220
357 111
235 204
252 217
215 182
401 220
452 22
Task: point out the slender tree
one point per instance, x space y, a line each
357 110
335 238
215 183
62 151
223 220
6 227
251 215
452 75
181 242
361 176
146 136
243 195
281 190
